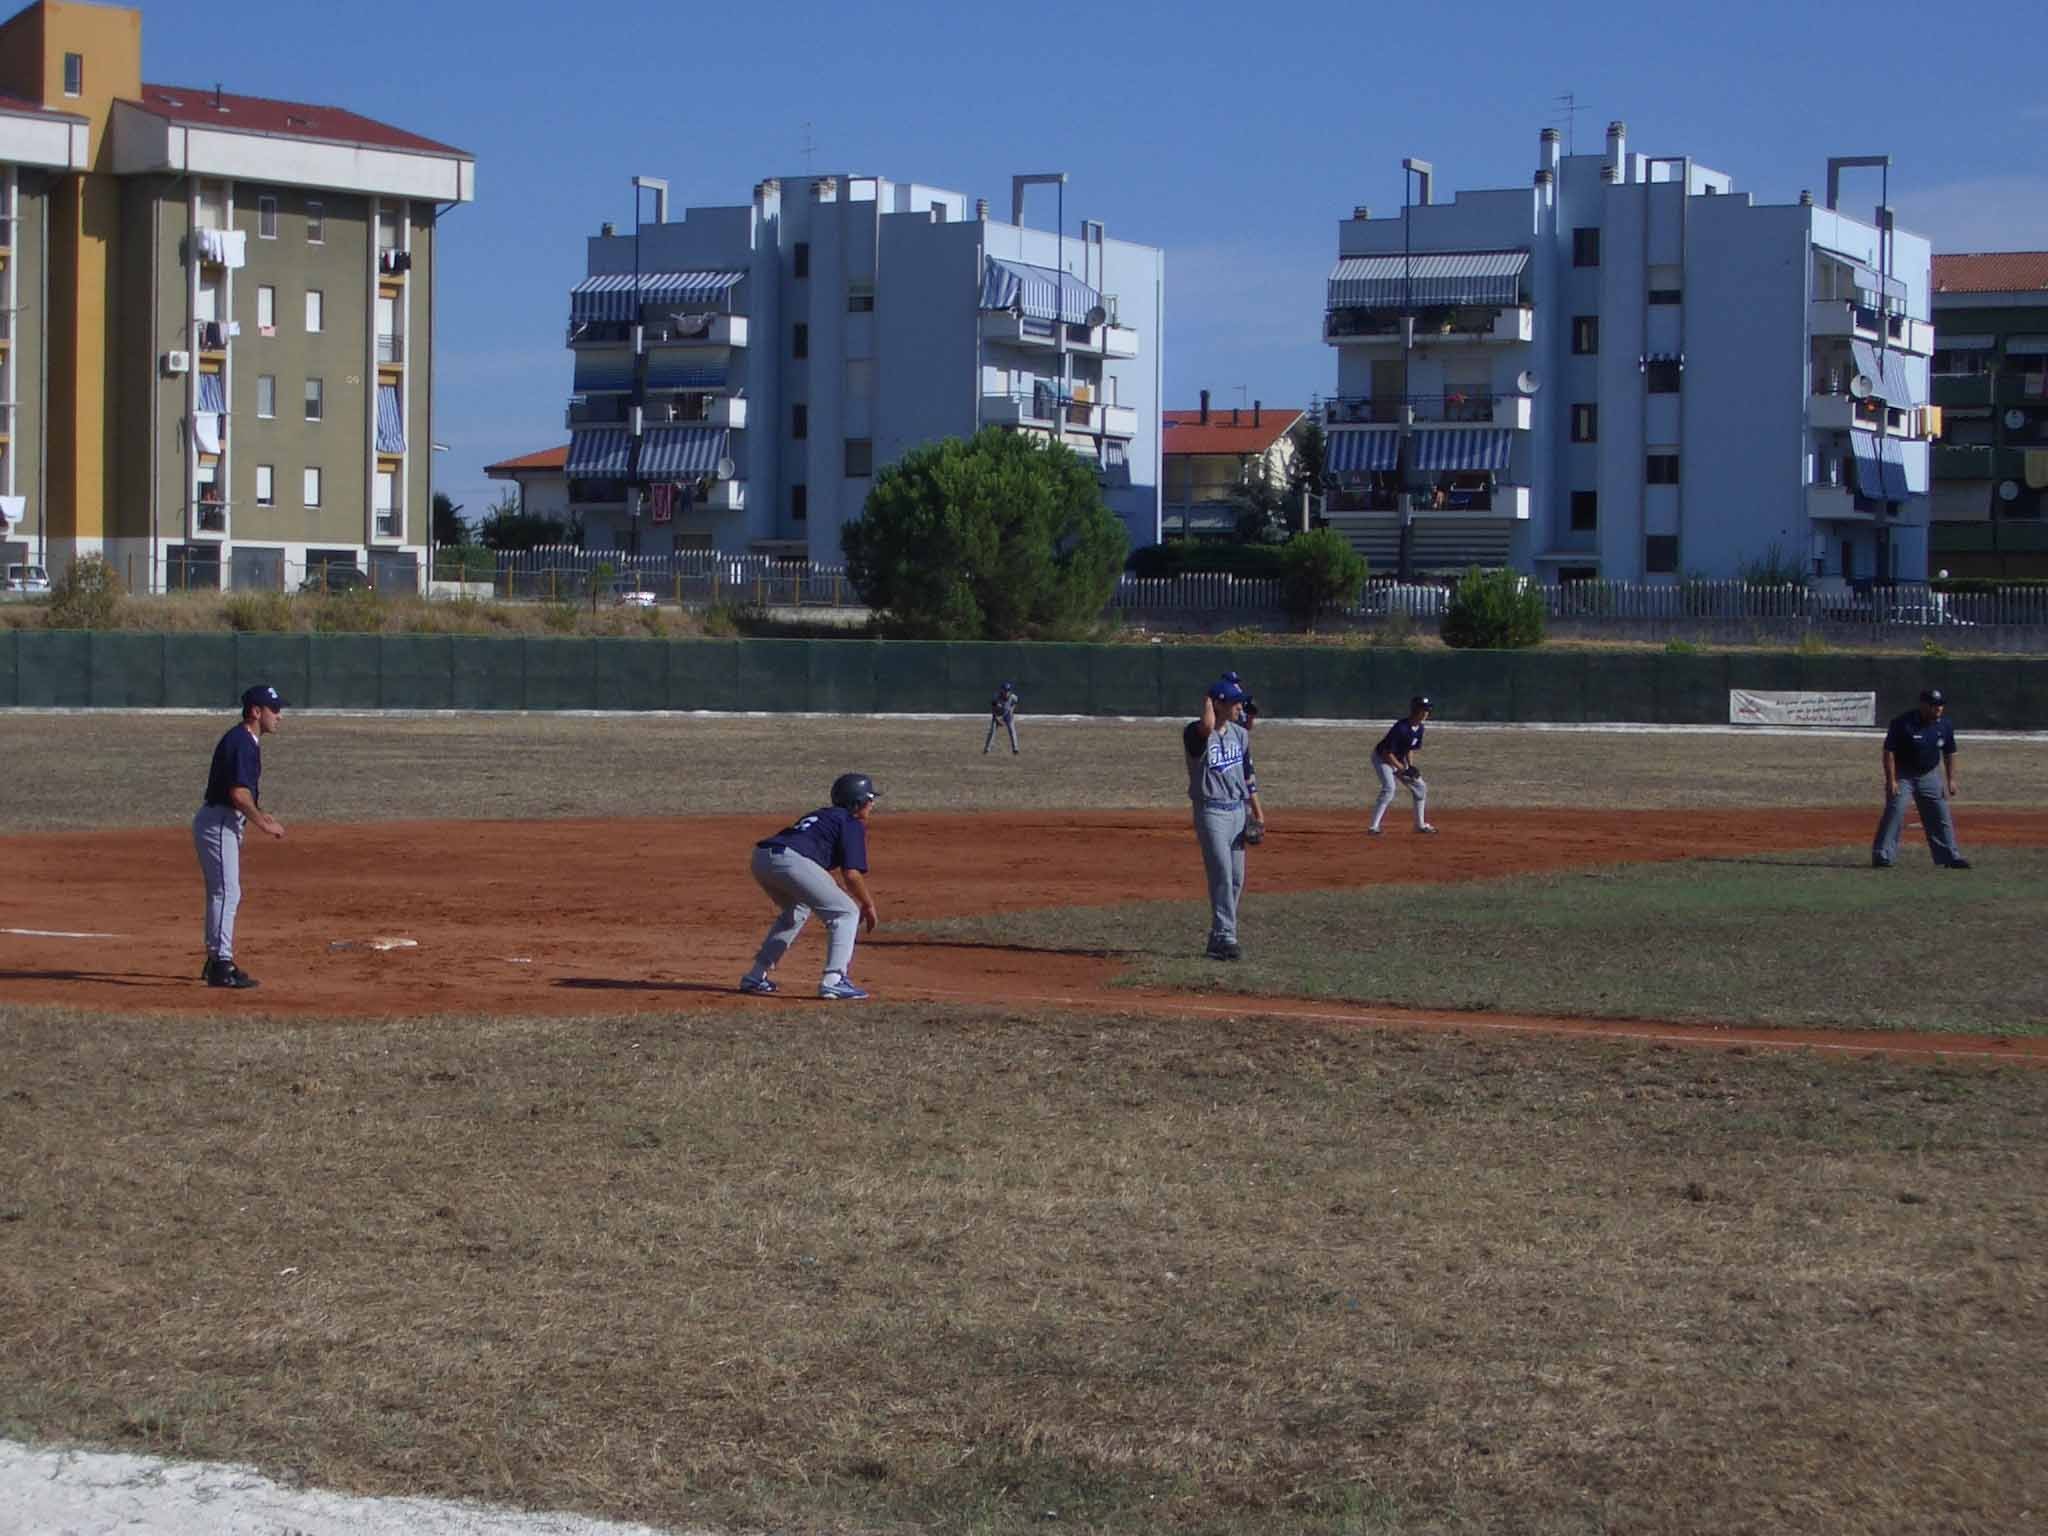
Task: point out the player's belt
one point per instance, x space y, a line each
773 847
1219 805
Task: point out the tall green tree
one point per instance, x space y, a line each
1320 571
505 527
997 537
1311 462
450 531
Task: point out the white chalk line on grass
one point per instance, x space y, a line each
1563 1029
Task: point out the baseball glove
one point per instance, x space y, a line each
1254 833
1409 775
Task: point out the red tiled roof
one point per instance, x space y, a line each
1991 272
547 458
295 119
1184 432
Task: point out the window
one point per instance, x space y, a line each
1666 296
312 497
860 297
266 485
1661 469
266 218
316 399
1660 554
801 257
74 74
316 223
1585 511
1586 247
1585 423
860 456
266 310
800 420
1662 375
860 378
266 395
1585 334
315 304
800 340
799 503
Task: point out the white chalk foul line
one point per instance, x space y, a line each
52 933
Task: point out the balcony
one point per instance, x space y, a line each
726 496
708 410
210 517
210 338
1963 390
1458 409
388 523
2023 388
1469 495
1841 413
1002 327
710 330
598 411
1043 408
1461 326
392 263
1841 504
601 494
1961 461
391 351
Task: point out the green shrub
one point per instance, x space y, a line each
1397 628
1319 570
86 596
722 621
1935 652
1811 644
1680 648
356 612
561 617
257 613
1493 611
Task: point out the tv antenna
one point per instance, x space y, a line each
1569 109
810 146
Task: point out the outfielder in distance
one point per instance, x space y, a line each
1002 710
794 867
1216 749
1394 760
233 790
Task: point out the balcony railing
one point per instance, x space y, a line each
1963 389
598 411
391 349
598 492
1440 323
1450 409
1961 461
213 515
388 523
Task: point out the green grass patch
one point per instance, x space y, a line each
1817 940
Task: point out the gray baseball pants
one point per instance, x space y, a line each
1927 792
1219 828
1417 791
1009 724
217 838
800 888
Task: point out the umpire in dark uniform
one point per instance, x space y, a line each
1920 761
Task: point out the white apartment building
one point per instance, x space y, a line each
741 373
1628 370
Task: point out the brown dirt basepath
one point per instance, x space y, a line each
557 917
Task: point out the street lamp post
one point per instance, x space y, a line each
659 187
1424 172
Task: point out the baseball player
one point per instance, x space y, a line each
1255 817
1002 711
1216 746
1394 759
1918 742
794 867
233 791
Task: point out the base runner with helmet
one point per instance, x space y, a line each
1394 760
1002 710
795 868
1216 748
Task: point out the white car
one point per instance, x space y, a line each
26 578
633 594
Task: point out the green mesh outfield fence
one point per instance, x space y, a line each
84 670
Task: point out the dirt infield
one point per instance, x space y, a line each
534 918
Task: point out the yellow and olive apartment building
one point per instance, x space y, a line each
216 320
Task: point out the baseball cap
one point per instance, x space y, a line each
1232 677
1933 696
1228 692
1421 701
262 696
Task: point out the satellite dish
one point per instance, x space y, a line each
723 469
2008 490
1860 388
2015 419
1527 382
1097 316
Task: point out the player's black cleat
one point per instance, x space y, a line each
225 973
1224 949
1957 864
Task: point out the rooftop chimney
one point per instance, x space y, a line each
1258 410
607 230
1617 149
1205 407
1233 416
981 209
1806 197
1610 173
1361 213
1549 147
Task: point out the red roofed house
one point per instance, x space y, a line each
232 356
1990 379
542 478
1209 457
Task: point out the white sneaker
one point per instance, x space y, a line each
1374 832
1425 827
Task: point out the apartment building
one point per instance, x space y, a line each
1990 514
1213 457
233 324
741 373
1629 370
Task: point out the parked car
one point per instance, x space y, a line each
633 592
334 578
26 578
1923 613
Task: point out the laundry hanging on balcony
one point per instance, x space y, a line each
1037 293
1428 281
669 453
615 296
390 420
207 424
222 247
603 453
1487 449
1361 450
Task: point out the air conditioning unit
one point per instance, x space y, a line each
177 362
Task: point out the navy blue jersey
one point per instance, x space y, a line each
237 762
1917 745
1402 736
830 838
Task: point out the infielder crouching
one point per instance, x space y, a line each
1394 759
233 785
795 868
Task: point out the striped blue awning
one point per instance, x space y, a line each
1886 370
1869 465
1891 457
595 376
1425 281
676 452
612 297
603 452
1039 293
390 420
1449 448
665 372
1357 450
213 395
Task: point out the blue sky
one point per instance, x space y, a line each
1235 136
